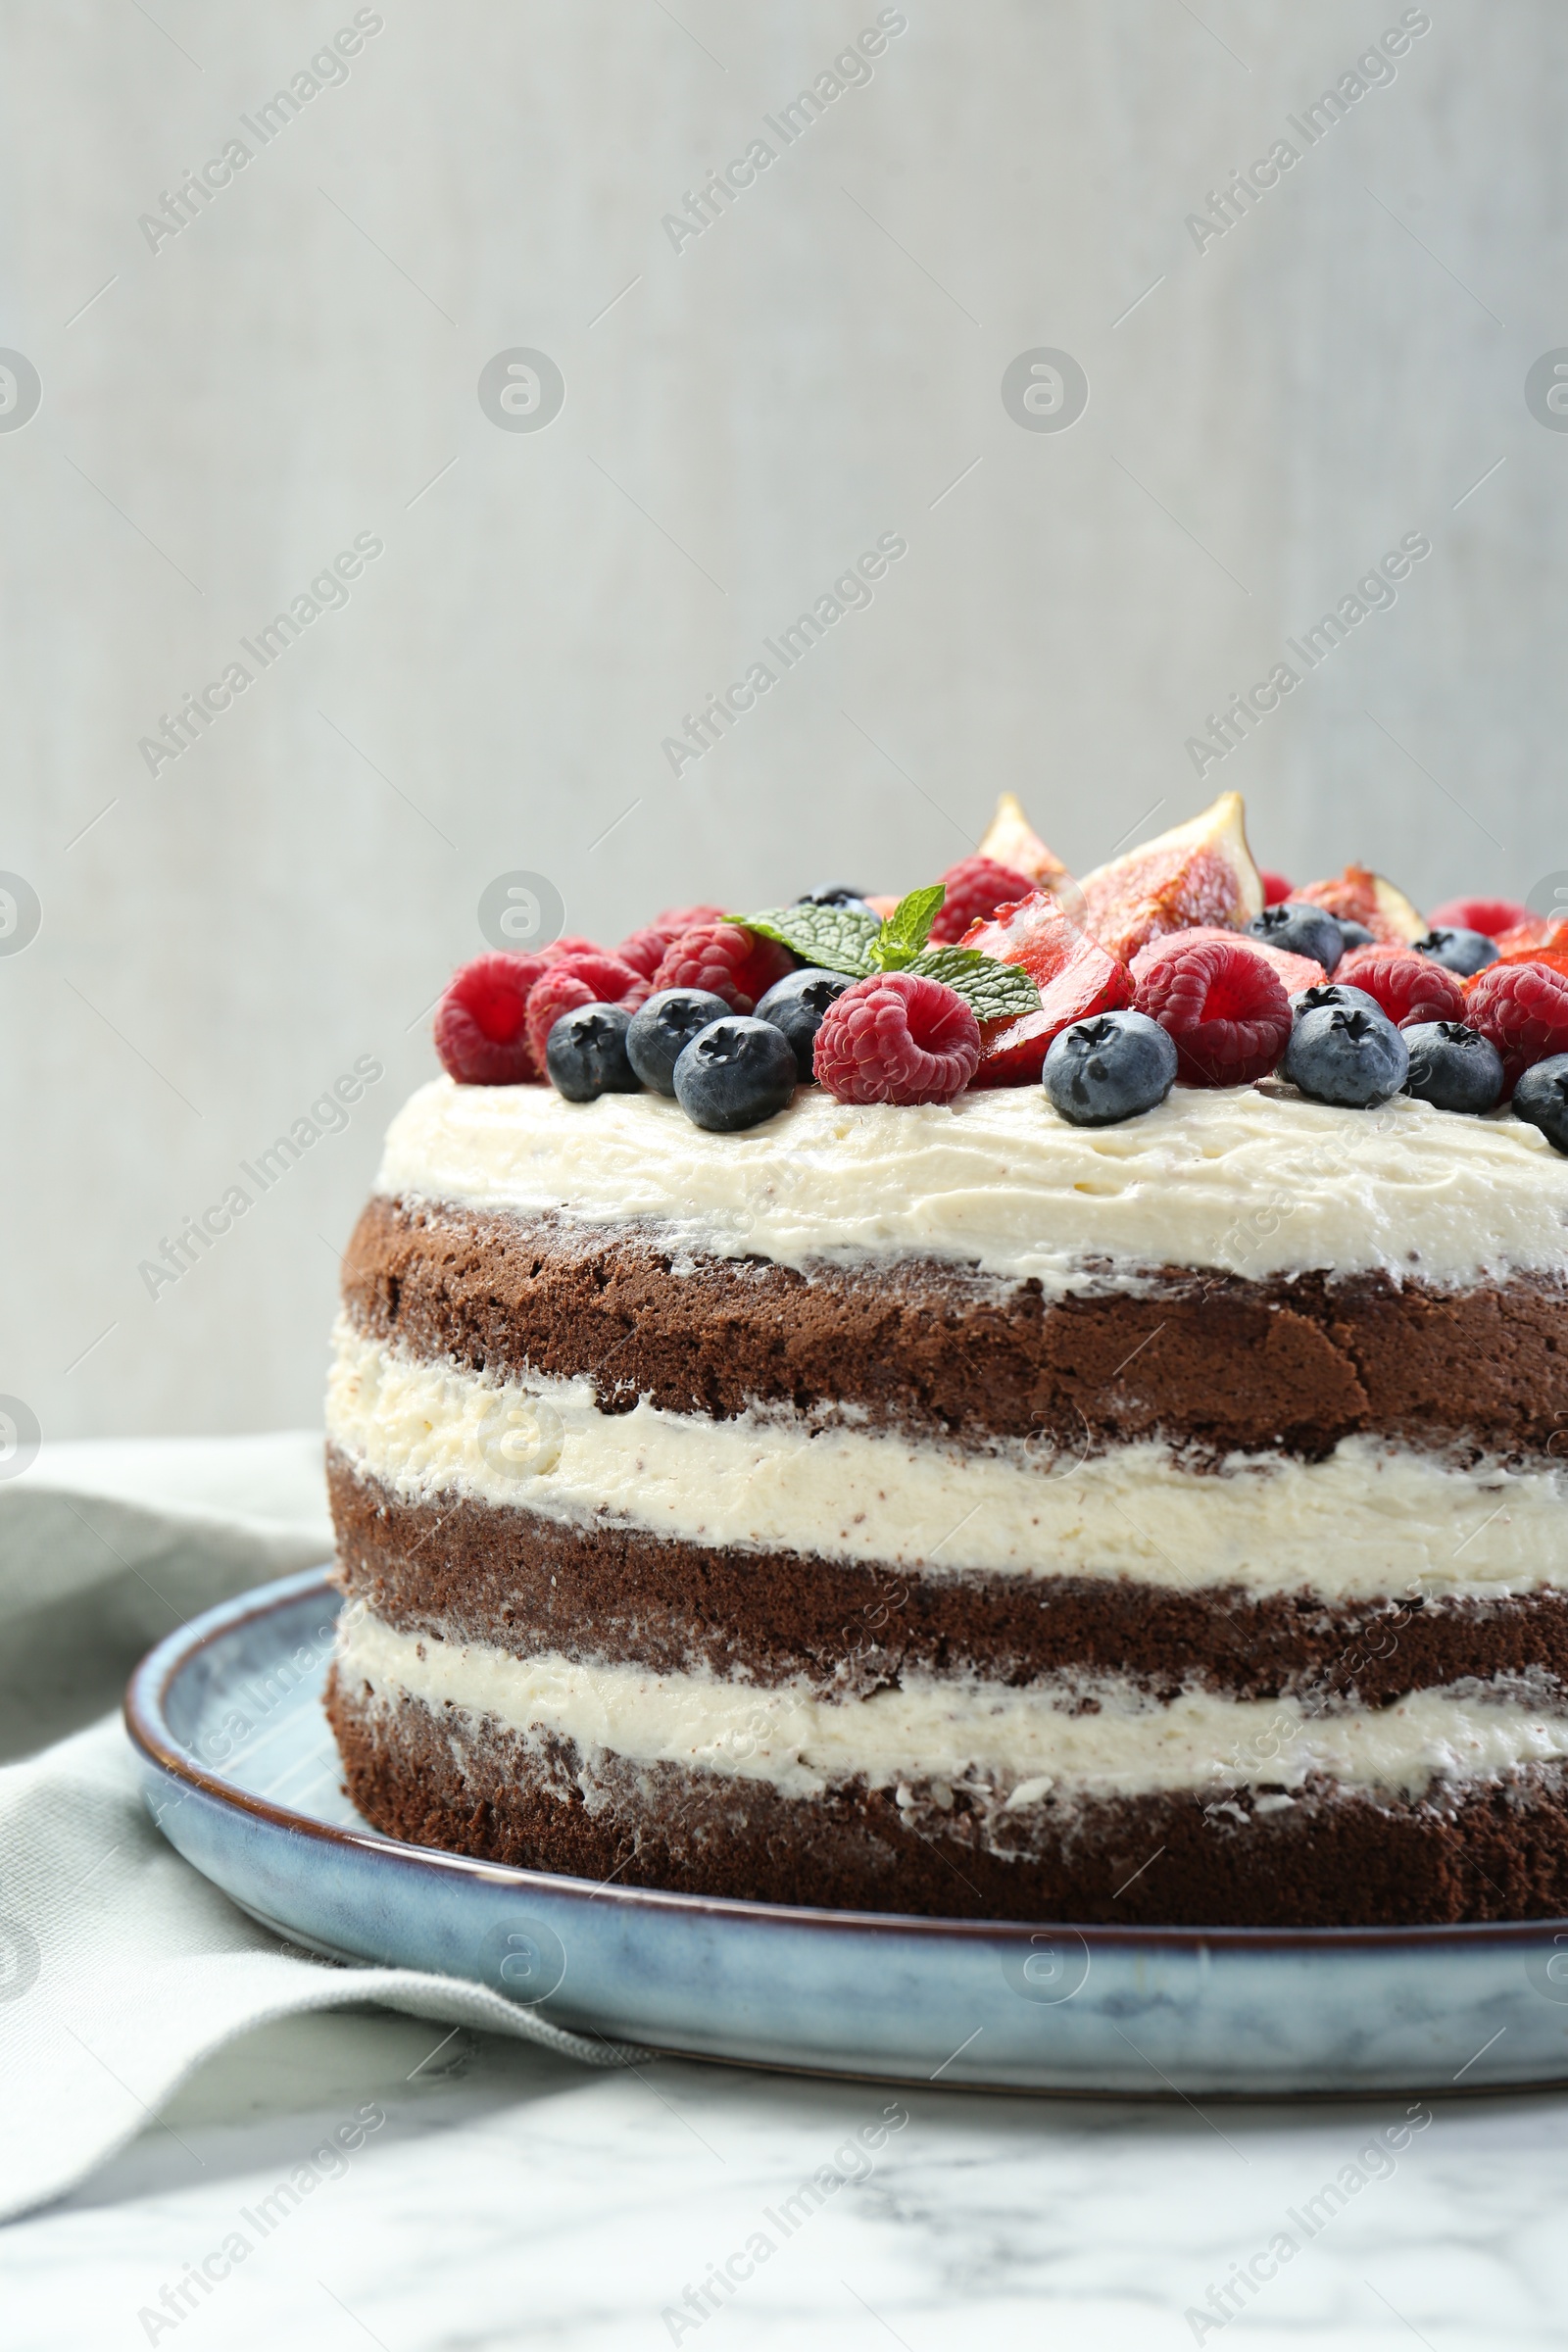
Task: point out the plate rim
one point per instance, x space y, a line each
147 1726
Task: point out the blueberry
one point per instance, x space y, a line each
666 1024
1351 1058
795 1005
1109 1068
1304 930
586 1054
835 893
1462 952
1354 935
1332 992
735 1072
1452 1068
1541 1098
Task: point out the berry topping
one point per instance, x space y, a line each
896 1038
1330 993
733 1073
795 1005
1523 1008
1458 951
480 1031
1353 934
727 960
663 1027
1452 1067
1109 1068
582 979
571 945
1276 890
1541 1098
1353 1058
976 887
1408 987
833 893
1224 1008
585 1054
1075 976
645 950
1294 971
1302 930
1489 916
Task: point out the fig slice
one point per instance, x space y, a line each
1294 971
1012 841
1535 931
1076 978
1552 953
1197 876
1360 896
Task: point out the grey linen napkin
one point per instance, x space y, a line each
120 1967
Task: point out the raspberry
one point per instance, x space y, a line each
1276 890
572 945
591 979
896 1038
645 950
727 960
480 1031
1523 1008
976 887
1224 1008
1490 916
1294 971
1408 987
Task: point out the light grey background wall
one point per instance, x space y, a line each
299 365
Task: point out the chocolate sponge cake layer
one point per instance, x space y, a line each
1327 1857
1297 1362
525 1583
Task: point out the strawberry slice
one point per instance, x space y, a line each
1294 971
1075 976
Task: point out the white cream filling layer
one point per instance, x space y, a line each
1371 1520
1020 1745
1244 1182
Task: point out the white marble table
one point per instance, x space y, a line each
508 2199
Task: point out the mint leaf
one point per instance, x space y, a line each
993 991
834 938
906 930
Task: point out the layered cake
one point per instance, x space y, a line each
978 1499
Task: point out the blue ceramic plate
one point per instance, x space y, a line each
242 1777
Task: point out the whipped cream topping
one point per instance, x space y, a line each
1030 1742
1374 1519
1241 1181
